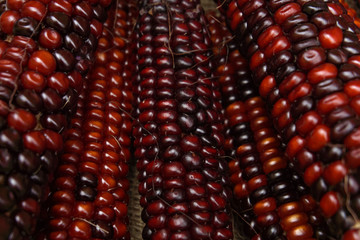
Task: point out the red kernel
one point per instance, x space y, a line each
33 9
50 38
331 102
322 72
307 122
318 138
286 11
268 36
331 37
335 172
35 141
329 204
8 20
43 62
279 44
21 120
352 88
312 173
267 85
295 145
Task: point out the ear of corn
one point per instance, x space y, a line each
303 57
178 135
46 50
263 181
89 197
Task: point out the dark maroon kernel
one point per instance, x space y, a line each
6 161
26 27
24 221
88 179
281 187
341 129
59 21
348 72
349 38
343 24
280 59
340 114
313 7
6 198
11 139
86 194
294 20
275 4
260 194
55 122
302 106
343 219
261 26
29 99
337 56
286 198
18 184
284 71
39 177
6 224
5 93
28 162
83 9
73 42
65 60
319 188
302 32
257 16
331 153
49 161
102 230
323 20
99 12
351 48
273 232
51 99
327 87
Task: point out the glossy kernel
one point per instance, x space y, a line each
329 203
318 138
43 62
331 37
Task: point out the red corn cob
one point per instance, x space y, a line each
259 154
90 199
39 84
301 56
178 136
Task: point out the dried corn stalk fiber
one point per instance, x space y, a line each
89 197
46 53
179 129
304 56
270 197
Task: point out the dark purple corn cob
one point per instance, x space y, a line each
178 135
304 58
89 198
41 74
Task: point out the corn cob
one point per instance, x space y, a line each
39 84
89 199
254 156
301 55
178 135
